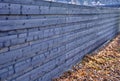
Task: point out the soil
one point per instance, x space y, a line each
103 65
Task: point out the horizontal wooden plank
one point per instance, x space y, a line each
6 25
21 9
14 53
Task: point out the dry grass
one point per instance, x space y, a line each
101 66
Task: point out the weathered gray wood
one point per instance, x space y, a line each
36 36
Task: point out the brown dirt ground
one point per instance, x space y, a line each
103 65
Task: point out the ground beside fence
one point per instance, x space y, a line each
103 65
